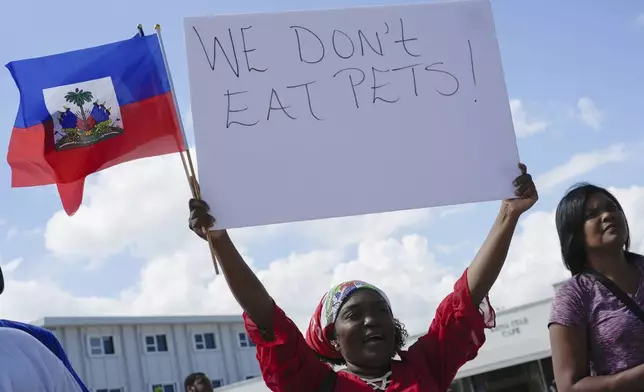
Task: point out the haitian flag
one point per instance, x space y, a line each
87 110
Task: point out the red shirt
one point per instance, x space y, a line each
288 364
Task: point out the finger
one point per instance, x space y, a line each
520 190
526 191
532 192
199 229
524 169
200 213
198 220
195 204
201 218
522 179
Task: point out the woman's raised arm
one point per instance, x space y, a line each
486 266
244 284
287 363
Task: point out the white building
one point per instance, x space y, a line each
515 357
133 354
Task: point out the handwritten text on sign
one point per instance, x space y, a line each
307 115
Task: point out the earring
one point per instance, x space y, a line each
335 345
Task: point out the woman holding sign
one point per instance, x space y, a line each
353 325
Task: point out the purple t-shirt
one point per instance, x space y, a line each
615 334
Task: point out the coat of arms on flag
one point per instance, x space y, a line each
83 113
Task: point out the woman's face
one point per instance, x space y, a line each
605 224
365 329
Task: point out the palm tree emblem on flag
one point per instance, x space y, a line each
79 98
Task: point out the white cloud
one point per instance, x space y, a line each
580 164
11 265
11 233
143 206
141 209
404 267
632 200
589 114
639 21
534 263
447 249
524 126
456 210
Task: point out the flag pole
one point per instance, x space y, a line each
190 174
189 168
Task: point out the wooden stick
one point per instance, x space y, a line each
189 167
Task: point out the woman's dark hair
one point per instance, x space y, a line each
400 338
570 219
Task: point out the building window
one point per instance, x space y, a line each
163 388
156 344
244 341
109 390
205 341
217 383
101 345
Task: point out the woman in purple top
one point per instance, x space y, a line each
597 342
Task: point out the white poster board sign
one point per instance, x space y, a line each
307 115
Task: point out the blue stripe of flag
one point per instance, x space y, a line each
135 66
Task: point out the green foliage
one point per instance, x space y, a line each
79 97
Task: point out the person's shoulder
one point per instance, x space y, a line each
28 354
19 336
572 301
17 333
574 294
578 285
16 340
40 333
23 326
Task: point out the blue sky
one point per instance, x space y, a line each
554 54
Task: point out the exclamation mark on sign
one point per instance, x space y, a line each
469 44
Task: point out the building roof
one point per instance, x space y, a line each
51 322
